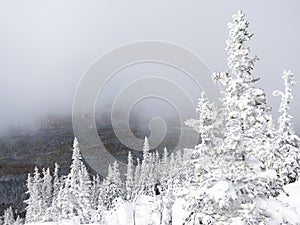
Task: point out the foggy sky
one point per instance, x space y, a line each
45 46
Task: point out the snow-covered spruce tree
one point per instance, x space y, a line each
46 194
156 167
164 168
129 182
85 194
56 181
96 211
235 175
244 108
208 126
176 165
74 196
137 175
8 217
46 189
19 221
59 208
111 188
146 179
95 191
287 152
116 175
52 213
76 163
34 212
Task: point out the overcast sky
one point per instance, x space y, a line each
45 46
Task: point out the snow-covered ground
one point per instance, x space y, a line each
146 210
293 198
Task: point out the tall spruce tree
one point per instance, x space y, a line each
244 109
52 213
129 182
34 209
74 196
234 169
146 184
47 189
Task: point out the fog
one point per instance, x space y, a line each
46 46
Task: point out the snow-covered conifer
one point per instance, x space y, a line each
287 156
52 213
146 151
116 175
84 198
157 169
19 221
244 109
146 183
137 175
74 196
56 181
95 191
76 162
111 188
34 211
165 164
46 189
237 167
129 182
207 124
8 217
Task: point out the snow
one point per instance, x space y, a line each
268 174
178 212
221 191
292 198
63 222
280 214
288 210
237 221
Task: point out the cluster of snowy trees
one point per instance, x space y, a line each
243 159
244 156
55 198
